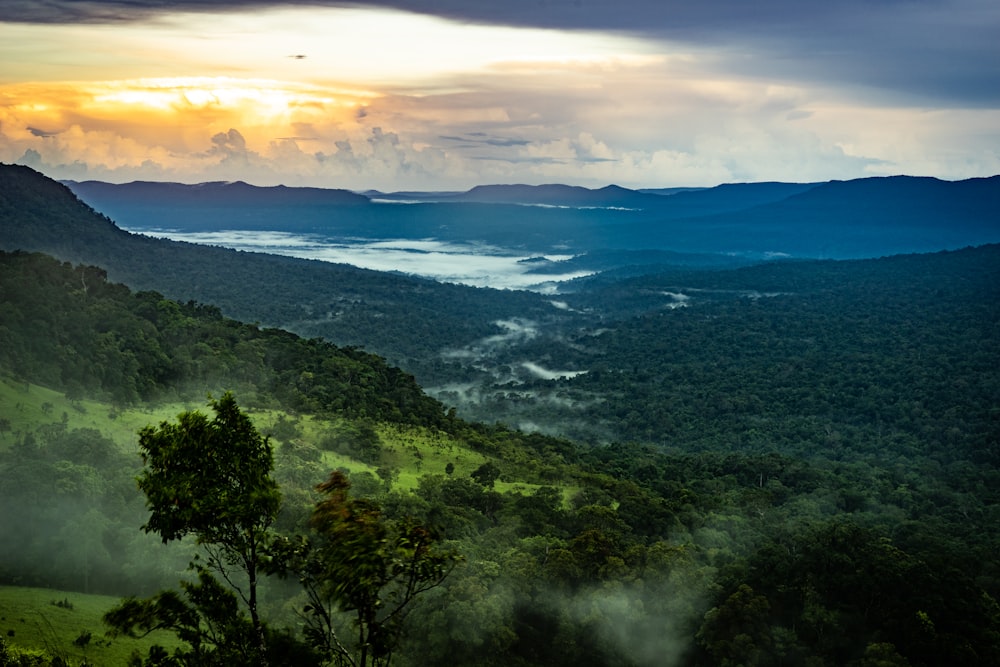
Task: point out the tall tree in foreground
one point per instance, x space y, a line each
359 562
211 479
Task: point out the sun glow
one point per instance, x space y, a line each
281 94
269 98
165 106
166 122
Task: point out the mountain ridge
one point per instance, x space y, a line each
217 192
868 217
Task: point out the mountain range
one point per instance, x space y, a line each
555 361
868 217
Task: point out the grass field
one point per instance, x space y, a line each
29 618
27 406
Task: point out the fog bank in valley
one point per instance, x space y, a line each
473 264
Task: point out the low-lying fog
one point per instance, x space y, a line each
478 265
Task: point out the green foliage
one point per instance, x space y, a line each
206 617
848 588
209 478
67 495
359 440
14 656
486 474
358 562
798 467
71 328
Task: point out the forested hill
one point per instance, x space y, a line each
399 317
71 329
881 356
38 213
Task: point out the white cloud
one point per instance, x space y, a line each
546 374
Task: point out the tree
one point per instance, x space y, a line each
737 632
357 561
212 479
486 474
205 615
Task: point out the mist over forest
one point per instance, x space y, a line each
751 424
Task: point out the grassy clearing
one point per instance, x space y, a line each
418 452
28 406
412 452
30 619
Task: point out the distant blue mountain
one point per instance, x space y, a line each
839 219
549 195
610 196
842 219
674 202
731 197
214 193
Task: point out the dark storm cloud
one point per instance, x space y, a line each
933 52
656 16
475 139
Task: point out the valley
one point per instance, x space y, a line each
676 447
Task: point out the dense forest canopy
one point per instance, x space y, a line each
798 356
793 463
123 347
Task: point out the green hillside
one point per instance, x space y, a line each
407 320
69 327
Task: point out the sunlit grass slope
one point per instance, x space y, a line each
411 452
49 620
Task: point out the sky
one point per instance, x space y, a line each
447 94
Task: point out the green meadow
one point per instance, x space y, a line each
68 625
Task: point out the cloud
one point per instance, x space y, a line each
934 51
719 92
231 150
476 139
461 263
540 371
229 144
695 134
660 16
